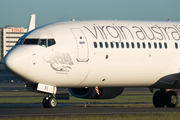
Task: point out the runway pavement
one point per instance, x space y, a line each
22 112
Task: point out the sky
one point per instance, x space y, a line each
17 12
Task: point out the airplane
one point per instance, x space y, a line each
97 59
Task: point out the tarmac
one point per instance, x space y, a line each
66 111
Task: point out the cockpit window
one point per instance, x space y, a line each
41 42
31 42
51 42
20 41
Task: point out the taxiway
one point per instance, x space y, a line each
23 112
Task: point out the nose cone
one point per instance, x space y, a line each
16 61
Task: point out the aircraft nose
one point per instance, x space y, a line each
16 61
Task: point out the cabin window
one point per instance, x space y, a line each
122 45
117 45
155 45
132 44
149 44
127 44
101 45
165 45
176 45
144 46
138 45
112 45
95 45
106 44
160 45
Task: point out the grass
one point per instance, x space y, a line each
21 100
11 94
12 86
139 116
22 97
127 101
119 99
126 97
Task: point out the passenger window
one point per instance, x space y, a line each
95 45
155 45
117 45
160 45
101 45
122 45
149 44
144 46
132 44
51 42
106 44
176 45
112 45
165 45
138 45
42 42
127 44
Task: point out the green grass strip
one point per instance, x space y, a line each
119 99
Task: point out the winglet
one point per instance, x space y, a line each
32 22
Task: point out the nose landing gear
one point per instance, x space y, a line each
162 98
49 102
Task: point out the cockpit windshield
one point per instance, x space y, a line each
31 41
41 42
20 41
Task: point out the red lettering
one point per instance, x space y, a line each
17 30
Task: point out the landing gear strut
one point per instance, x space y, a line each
162 98
49 102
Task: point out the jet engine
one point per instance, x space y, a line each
90 93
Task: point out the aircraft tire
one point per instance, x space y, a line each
52 102
171 99
45 102
158 99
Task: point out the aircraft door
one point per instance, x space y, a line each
82 45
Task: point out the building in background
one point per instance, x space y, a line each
8 38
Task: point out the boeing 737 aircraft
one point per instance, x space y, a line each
97 59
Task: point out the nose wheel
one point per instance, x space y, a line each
49 102
162 98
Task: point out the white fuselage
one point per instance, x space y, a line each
81 57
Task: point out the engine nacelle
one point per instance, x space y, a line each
90 93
